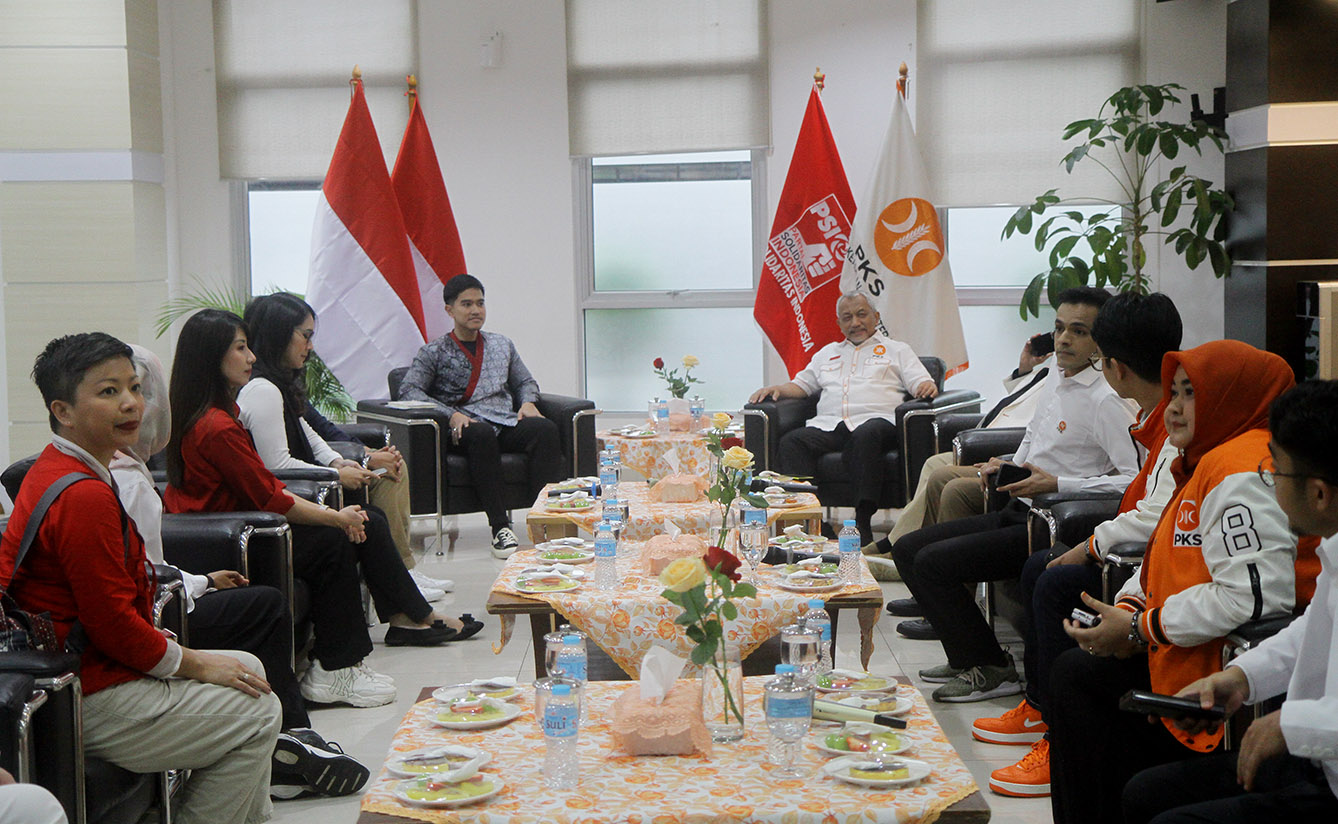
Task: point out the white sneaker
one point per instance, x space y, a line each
443 584
348 685
430 594
367 671
504 542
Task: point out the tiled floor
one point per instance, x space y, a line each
366 733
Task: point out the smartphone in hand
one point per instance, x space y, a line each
1169 706
1042 344
1011 473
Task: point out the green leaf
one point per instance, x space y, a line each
701 654
1057 282
1147 141
1063 248
1031 297
1077 126
756 500
745 590
1172 207
1078 153
1217 256
695 633
1099 238
728 610
1194 254
672 597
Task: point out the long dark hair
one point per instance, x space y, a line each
198 384
270 320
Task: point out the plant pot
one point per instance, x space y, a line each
722 694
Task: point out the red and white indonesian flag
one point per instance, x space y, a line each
796 295
433 239
897 256
362 282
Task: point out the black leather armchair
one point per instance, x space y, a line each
914 418
440 483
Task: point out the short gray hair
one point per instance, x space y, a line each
853 296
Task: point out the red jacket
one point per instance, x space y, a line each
223 472
78 567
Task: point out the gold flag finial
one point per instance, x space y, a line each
412 93
819 79
903 79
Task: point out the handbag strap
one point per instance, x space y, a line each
38 514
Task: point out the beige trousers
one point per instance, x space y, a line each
392 498
225 737
939 496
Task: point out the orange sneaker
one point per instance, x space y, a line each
1020 725
1028 778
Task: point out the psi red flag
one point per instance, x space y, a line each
362 282
800 282
897 255
433 239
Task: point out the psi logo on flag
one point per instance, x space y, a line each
810 251
907 237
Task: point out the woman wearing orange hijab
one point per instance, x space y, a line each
1221 555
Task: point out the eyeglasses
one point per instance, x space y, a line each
1268 475
1097 362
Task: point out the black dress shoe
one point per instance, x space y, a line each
905 607
918 630
469 630
432 636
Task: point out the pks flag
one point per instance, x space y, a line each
361 281
800 282
433 239
897 255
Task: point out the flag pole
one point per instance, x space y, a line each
355 80
412 93
903 80
819 79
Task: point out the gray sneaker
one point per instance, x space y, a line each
882 568
980 683
941 674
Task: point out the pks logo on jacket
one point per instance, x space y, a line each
1187 525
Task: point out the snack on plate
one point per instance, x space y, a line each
661 550
824 570
876 774
862 741
546 582
679 489
431 790
856 682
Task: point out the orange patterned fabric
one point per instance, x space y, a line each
733 785
646 455
646 518
625 623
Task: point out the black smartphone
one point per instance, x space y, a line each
1042 344
1168 706
1009 474
1057 549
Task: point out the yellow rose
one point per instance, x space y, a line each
690 361
720 420
736 457
683 574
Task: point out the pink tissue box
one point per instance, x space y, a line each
672 727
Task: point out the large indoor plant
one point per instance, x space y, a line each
324 390
1109 246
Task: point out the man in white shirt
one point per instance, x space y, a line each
860 382
1078 441
1286 768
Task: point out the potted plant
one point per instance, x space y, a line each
1110 245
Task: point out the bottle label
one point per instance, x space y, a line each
572 666
822 626
560 719
848 543
799 707
662 412
608 476
606 547
754 515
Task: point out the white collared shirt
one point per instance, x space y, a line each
1080 434
860 383
1302 661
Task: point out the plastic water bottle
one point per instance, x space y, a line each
606 556
661 416
789 708
562 723
608 477
847 542
817 618
697 407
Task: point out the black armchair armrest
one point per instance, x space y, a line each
916 423
783 416
1049 500
374 435
1120 563
349 450
561 410
16 690
974 446
1073 520
948 425
40 665
1250 635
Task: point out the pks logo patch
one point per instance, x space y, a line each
907 237
1187 525
880 349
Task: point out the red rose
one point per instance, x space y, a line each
718 560
658 363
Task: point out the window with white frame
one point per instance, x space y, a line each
279 220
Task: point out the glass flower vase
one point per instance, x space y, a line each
722 693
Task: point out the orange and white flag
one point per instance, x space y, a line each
897 255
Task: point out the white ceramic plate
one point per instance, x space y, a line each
636 435
567 585
401 792
457 691
568 506
583 556
867 701
795 586
856 727
572 484
398 764
442 717
566 543
839 768
888 683
783 501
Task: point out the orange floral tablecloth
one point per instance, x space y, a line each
646 455
733 785
627 622
646 518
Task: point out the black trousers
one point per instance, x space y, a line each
1095 747
936 561
255 619
482 444
1286 789
1050 596
863 452
329 562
